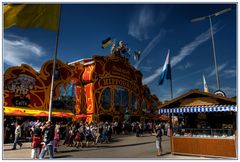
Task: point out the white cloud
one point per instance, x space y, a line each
189 48
185 51
220 68
150 46
17 51
229 91
146 68
230 73
184 67
144 20
153 76
139 26
179 91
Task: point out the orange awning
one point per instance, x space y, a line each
81 116
62 114
16 113
41 114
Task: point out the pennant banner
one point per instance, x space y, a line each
197 109
107 42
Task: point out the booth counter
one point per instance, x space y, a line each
205 142
216 147
204 130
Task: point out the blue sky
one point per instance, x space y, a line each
151 28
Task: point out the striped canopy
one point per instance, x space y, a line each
196 109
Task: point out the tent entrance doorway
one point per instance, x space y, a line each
105 118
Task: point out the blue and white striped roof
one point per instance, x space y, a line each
194 109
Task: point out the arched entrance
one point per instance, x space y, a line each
105 118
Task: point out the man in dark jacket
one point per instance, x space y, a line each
48 140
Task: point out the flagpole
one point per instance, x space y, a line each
171 87
54 66
170 115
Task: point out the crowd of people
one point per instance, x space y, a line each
45 136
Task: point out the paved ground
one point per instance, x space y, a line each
122 147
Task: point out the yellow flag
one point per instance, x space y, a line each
32 15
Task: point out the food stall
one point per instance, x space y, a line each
206 125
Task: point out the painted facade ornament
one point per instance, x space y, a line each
20 87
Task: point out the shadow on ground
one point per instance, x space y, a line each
62 156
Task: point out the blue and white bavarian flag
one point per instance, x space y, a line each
166 70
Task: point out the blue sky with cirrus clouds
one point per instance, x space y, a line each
150 28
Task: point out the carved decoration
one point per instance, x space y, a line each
37 93
201 101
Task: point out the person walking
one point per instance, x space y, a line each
36 141
56 137
163 128
71 137
12 129
137 128
77 138
158 139
67 136
99 133
17 136
48 140
25 127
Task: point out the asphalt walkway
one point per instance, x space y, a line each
122 146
